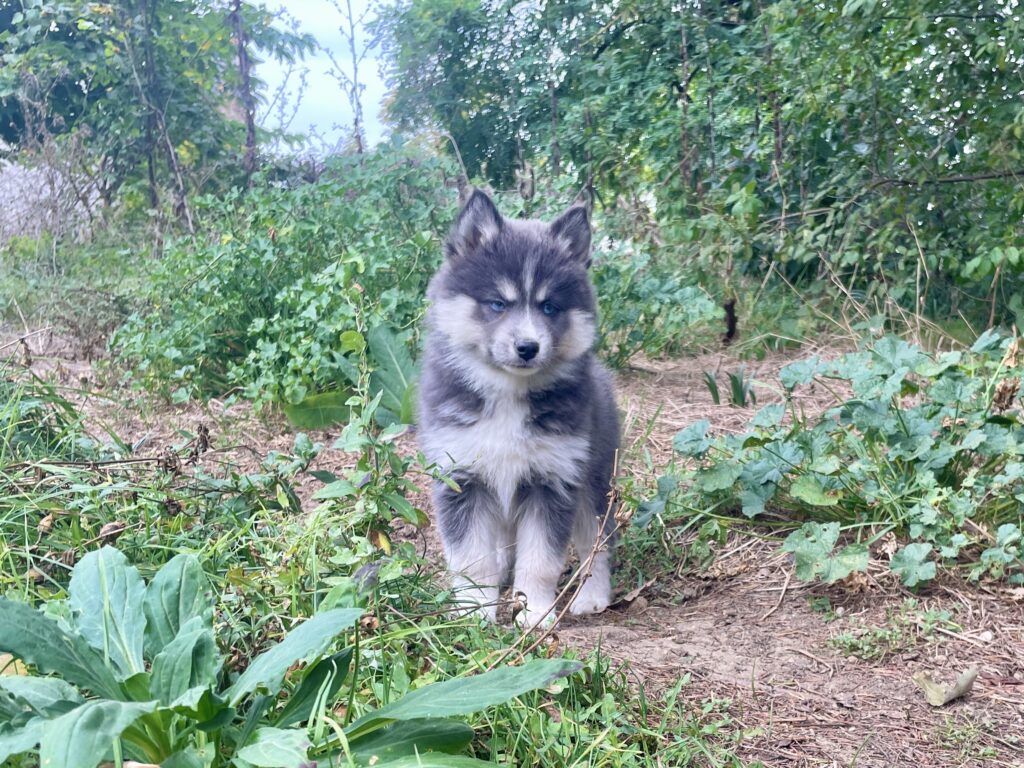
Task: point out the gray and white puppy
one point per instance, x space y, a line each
514 405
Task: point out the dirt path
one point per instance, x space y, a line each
787 656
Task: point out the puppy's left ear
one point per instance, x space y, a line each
571 231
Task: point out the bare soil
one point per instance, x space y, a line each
744 631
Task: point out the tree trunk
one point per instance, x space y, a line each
245 90
684 97
556 154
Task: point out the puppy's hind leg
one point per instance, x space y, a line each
476 541
588 539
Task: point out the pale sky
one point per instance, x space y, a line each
323 107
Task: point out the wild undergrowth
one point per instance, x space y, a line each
915 464
301 630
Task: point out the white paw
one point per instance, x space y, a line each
539 611
591 599
482 603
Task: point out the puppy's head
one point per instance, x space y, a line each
515 294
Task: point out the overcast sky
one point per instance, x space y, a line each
323 107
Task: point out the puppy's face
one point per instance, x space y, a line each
515 294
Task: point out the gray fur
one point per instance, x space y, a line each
514 405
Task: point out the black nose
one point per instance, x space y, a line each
527 349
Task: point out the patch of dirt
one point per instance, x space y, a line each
745 631
754 639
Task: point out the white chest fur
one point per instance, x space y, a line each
502 449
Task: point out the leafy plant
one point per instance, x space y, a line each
139 675
925 445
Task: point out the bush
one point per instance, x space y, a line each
263 296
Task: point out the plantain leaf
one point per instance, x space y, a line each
465 695
189 661
83 737
177 594
410 737
276 748
37 639
330 671
307 641
106 596
394 374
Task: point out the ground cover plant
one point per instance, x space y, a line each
923 445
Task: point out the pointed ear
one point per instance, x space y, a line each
478 223
572 231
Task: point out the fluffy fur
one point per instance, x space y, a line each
514 406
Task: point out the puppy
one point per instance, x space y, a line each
517 410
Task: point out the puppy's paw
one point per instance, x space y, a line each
591 599
535 613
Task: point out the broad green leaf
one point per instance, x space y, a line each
409 738
435 760
800 372
37 639
811 545
106 595
319 410
466 695
14 741
46 696
276 748
852 557
810 491
191 757
306 641
720 477
336 490
189 661
693 439
912 564
352 341
178 593
394 372
329 672
83 737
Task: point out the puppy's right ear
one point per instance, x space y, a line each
478 223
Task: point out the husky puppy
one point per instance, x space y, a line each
515 407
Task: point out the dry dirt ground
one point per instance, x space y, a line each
744 631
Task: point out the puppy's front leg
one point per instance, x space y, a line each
542 536
476 542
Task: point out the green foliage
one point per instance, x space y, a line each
839 140
924 445
152 715
144 89
260 577
649 305
285 289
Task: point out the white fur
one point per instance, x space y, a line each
507 289
478 562
501 450
537 570
578 340
596 593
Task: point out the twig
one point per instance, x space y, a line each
782 596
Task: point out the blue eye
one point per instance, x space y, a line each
548 308
497 306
